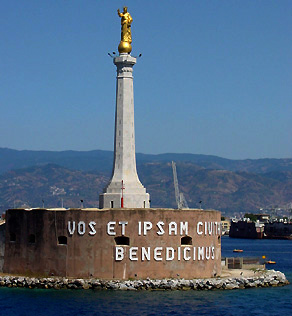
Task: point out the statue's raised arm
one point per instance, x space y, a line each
126 35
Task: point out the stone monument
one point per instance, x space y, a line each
124 188
125 239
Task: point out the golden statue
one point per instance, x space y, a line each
126 35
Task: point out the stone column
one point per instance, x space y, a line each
124 168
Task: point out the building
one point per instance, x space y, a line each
225 224
246 229
278 230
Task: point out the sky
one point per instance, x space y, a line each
215 77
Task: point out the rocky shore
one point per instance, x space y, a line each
259 279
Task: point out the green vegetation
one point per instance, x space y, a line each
251 216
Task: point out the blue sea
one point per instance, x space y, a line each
260 301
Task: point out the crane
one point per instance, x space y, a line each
180 199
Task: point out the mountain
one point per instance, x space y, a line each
99 160
224 190
52 184
102 161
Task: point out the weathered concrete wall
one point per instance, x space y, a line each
32 246
2 244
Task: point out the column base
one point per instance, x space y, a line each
113 200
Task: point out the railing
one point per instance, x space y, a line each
242 263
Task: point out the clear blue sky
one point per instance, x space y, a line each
215 76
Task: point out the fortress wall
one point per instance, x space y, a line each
113 243
2 244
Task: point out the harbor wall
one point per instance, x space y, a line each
261 278
113 243
2 244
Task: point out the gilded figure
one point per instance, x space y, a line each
126 35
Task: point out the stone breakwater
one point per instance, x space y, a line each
260 279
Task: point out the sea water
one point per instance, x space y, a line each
255 301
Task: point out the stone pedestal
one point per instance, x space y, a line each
124 169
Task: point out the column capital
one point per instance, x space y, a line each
124 64
125 59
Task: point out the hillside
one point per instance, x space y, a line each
224 190
51 183
101 161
